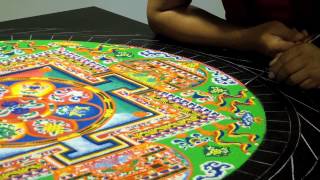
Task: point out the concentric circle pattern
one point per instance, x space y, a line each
41 110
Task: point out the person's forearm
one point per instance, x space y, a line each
193 25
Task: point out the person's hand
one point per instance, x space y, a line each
300 65
272 38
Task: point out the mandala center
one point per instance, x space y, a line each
42 109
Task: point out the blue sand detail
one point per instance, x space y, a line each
28 138
84 147
6 153
124 113
8 83
85 124
77 111
115 82
97 101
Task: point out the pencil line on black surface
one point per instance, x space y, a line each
272 152
305 119
279 141
10 29
279 170
178 52
128 42
313 153
251 80
292 168
34 31
195 56
149 40
311 169
245 172
234 73
108 40
298 101
144 45
260 162
117 35
252 68
237 59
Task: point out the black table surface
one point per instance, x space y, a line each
96 22
85 18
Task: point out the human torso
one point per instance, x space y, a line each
296 13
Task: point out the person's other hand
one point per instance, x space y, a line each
272 38
300 65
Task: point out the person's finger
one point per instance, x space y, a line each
271 74
275 59
279 45
305 33
288 34
308 84
296 31
276 67
290 68
298 77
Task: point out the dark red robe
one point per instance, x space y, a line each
301 14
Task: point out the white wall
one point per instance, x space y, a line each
134 9
14 9
212 6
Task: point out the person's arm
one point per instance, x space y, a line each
179 20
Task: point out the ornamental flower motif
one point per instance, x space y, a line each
37 110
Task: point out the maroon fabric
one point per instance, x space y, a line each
298 13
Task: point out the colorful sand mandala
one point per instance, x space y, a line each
85 110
